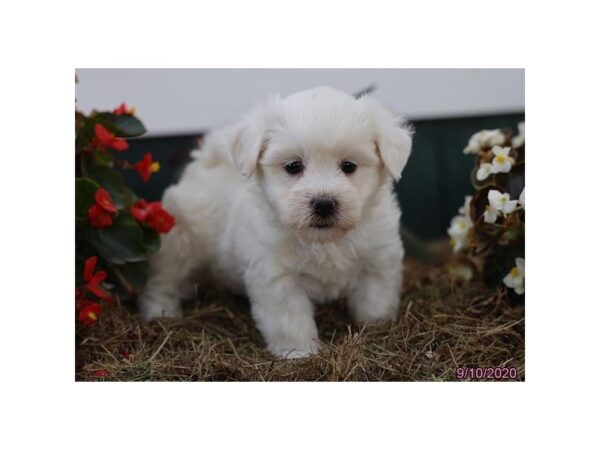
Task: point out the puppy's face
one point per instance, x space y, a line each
319 184
320 160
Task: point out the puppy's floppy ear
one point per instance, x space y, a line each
393 139
247 145
250 137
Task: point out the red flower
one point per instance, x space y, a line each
103 199
101 213
99 218
93 280
161 221
140 210
88 315
123 110
90 310
153 215
101 374
105 138
146 167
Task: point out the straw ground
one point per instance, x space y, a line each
442 325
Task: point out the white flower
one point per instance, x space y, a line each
519 139
501 162
516 277
490 215
484 171
522 198
498 203
501 202
484 138
465 209
459 227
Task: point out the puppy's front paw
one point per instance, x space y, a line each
152 308
370 312
295 353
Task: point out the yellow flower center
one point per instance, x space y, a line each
92 316
500 159
514 272
155 167
131 110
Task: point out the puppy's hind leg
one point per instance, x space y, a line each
169 281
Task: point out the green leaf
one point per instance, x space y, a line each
151 239
121 242
85 190
108 178
124 125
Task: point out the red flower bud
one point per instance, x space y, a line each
123 110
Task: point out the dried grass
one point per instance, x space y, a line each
442 325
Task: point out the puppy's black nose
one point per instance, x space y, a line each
324 206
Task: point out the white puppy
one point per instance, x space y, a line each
290 206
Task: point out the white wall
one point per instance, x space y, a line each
172 101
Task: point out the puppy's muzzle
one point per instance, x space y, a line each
324 211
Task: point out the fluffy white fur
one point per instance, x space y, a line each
242 216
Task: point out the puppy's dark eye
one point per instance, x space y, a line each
294 167
348 167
